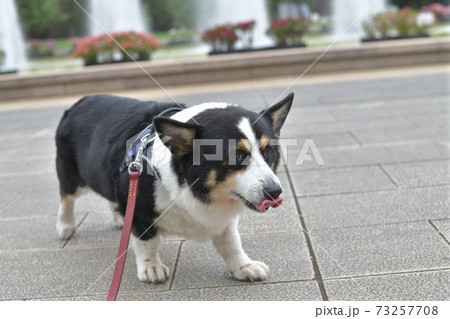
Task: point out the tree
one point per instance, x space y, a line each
164 15
51 18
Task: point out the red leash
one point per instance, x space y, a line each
133 190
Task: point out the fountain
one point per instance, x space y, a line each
11 38
214 12
346 12
123 15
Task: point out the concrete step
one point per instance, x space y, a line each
251 65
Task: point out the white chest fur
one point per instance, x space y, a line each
188 217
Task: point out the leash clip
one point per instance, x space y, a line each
146 141
137 163
138 166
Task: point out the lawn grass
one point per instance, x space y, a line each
54 63
63 44
162 36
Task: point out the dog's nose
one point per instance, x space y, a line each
272 192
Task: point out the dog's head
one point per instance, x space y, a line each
228 154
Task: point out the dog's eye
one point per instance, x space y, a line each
267 152
240 156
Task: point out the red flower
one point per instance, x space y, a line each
132 42
405 10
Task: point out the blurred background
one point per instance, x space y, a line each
371 224
42 35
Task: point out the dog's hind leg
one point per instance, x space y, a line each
149 266
65 222
70 184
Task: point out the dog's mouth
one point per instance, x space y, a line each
263 206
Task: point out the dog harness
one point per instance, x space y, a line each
139 148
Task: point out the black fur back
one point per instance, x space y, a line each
91 144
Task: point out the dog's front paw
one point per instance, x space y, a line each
253 270
65 230
153 272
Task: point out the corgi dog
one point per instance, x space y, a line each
206 164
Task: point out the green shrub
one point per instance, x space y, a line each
289 30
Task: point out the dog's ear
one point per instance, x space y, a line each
175 135
278 113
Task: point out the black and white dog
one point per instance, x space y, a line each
195 198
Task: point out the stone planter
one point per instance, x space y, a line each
277 47
140 57
401 37
180 42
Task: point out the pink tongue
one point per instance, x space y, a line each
268 203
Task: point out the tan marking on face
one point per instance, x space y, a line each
272 166
244 145
221 190
264 141
212 179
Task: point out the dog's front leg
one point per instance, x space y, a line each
149 266
228 245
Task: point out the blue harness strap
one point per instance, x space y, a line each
132 151
149 130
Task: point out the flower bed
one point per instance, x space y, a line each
406 23
288 31
278 47
223 38
41 48
440 11
119 47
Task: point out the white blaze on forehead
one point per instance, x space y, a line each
246 128
192 111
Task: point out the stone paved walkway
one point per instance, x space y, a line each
376 216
